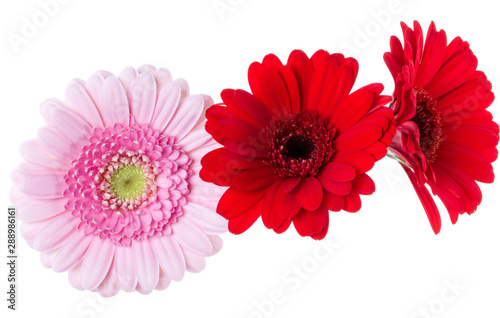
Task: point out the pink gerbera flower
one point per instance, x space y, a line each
110 189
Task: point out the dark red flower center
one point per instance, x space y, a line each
428 120
300 144
299 147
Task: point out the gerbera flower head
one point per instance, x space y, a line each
299 145
446 138
110 189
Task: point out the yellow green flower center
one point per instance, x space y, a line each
128 182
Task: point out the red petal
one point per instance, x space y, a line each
358 138
246 220
239 131
433 54
471 137
338 172
247 107
361 160
273 206
363 184
352 202
231 160
309 223
283 227
339 188
303 69
467 160
427 201
309 193
254 179
354 107
293 88
332 201
234 203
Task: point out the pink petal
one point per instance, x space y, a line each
46 107
72 251
142 97
74 277
56 232
169 256
97 262
79 101
16 196
49 186
115 104
207 103
194 263
31 210
145 265
186 116
216 244
184 87
29 230
26 170
146 68
109 286
202 191
33 151
163 282
94 87
166 105
163 77
142 290
57 144
47 258
127 77
207 220
124 267
194 140
74 127
190 237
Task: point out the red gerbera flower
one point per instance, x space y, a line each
299 146
445 137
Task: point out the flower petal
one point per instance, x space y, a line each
206 219
79 101
145 264
169 255
142 97
115 104
72 251
194 262
186 116
71 125
55 233
49 186
97 262
33 151
189 236
124 268
166 105
309 193
31 210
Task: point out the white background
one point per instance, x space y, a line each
385 260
